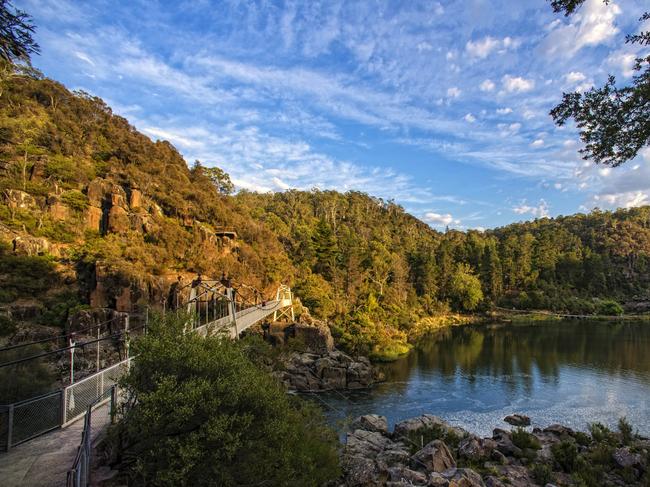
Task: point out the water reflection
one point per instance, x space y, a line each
570 372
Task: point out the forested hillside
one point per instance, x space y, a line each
95 213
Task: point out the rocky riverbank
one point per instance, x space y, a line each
427 451
334 370
315 365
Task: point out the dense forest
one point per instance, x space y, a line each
88 202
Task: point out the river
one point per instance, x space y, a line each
568 372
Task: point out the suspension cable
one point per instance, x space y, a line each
76 345
43 340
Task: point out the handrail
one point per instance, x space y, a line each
79 474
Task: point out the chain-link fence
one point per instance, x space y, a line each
27 419
80 395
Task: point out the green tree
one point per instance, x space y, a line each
201 413
465 287
16 29
217 176
614 122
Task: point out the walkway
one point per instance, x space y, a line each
45 461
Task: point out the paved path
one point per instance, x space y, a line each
45 461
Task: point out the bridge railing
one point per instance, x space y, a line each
95 421
24 420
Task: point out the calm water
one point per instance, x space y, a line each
569 372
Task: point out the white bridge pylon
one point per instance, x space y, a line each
222 310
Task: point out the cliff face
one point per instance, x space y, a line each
120 217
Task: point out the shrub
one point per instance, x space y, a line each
202 413
542 473
565 455
610 307
601 433
75 200
626 431
523 439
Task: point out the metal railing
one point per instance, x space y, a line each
24 420
95 421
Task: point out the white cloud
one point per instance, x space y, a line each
575 77
504 111
483 47
628 199
623 62
453 92
487 85
539 211
470 118
517 84
593 24
438 219
537 143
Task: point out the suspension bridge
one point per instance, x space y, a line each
42 434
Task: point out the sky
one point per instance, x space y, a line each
441 106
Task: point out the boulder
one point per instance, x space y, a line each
463 477
425 428
56 209
93 218
515 476
135 196
505 444
624 458
317 338
118 220
360 471
410 477
517 420
19 199
476 449
371 422
435 457
30 246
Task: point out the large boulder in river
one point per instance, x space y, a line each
517 420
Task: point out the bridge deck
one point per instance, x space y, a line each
45 461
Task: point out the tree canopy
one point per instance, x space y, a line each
16 29
202 413
614 121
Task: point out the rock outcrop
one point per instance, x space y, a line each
335 370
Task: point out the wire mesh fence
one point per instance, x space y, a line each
82 394
24 420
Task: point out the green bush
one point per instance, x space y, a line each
542 473
523 439
75 200
202 413
601 433
610 307
626 431
565 455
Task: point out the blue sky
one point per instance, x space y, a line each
441 106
